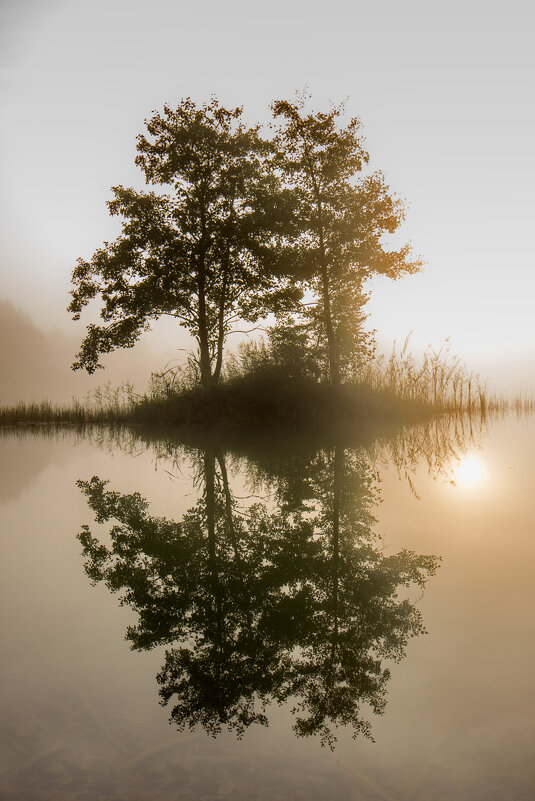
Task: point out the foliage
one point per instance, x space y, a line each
200 249
238 228
343 221
286 347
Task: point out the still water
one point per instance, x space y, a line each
284 622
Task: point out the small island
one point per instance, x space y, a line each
239 232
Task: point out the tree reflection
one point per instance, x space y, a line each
288 600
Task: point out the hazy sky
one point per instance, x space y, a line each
444 91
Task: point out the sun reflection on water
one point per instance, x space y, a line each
471 472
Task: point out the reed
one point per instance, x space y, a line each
439 379
105 404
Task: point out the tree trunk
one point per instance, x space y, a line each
332 346
204 358
203 340
221 322
205 362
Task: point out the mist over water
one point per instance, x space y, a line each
258 579
36 364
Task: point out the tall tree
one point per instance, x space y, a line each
198 248
342 221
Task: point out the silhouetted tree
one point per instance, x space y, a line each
200 249
342 224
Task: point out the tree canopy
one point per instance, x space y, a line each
200 248
342 223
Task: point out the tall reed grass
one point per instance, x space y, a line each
105 404
440 379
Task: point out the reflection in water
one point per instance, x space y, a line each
471 471
439 444
286 600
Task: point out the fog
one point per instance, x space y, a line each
442 94
36 364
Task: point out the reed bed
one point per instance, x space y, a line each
105 404
47 413
440 380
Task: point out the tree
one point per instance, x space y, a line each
342 222
200 249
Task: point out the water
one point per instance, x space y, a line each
281 583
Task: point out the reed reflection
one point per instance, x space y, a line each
286 600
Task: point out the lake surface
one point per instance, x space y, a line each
255 630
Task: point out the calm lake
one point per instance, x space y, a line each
272 620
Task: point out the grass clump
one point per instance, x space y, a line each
271 397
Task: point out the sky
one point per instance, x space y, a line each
444 92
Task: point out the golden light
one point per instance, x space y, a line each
470 472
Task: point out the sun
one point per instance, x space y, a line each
470 472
